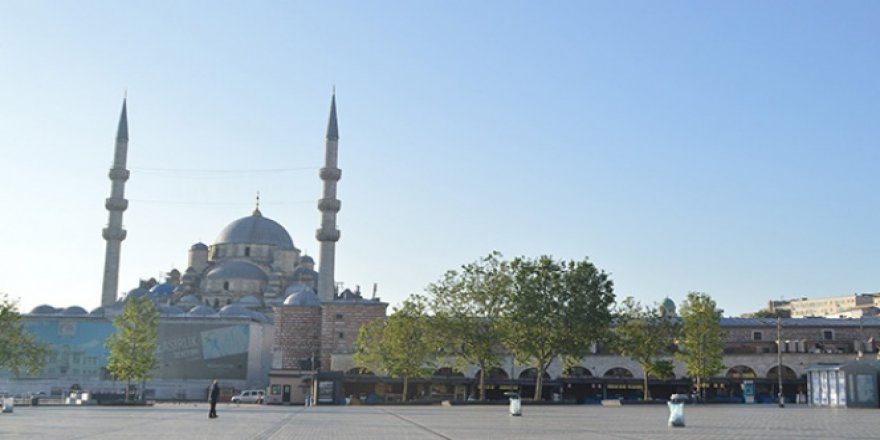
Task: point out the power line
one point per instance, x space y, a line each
196 203
216 173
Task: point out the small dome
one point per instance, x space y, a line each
201 311
255 229
237 269
44 310
260 317
137 292
235 311
74 311
162 289
190 299
170 311
98 311
306 260
303 298
199 247
248 301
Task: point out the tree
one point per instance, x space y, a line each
467 305
646 336
18 349
555 309
402 345
133 346
702 339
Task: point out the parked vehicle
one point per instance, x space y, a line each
248 396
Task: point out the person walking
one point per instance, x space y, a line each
213 397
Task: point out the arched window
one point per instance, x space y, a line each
618 372
577 372
495 373
531 373
741 372
447 372
787 373
226 285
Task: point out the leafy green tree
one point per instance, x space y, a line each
18 349
403 345
133 347
467 305
555 309
702 339
647 336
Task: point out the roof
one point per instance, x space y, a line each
256 229
237 269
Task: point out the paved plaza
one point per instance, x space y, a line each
190 422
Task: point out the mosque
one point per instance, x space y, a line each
248 309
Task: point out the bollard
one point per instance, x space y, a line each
676 410
515 404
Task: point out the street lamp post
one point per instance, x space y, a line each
779 358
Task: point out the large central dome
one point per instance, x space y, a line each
255 229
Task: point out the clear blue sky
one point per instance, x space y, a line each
724 147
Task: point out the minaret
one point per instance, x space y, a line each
329 205
116 205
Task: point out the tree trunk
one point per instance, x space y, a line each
539 383
127 389
647 394
482 384
405 385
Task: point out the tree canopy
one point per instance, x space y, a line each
133 347
404 345
555 309
18 349
467 305
702 339
647 336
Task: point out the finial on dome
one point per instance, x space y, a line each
257 209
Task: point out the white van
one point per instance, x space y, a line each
248 396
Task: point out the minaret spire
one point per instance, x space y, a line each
116 204
329 205
257 209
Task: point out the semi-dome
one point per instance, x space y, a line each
44 309
237 269
303 298
255 229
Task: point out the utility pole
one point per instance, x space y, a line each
779 358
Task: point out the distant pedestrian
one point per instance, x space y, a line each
213 397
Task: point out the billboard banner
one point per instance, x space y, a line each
192 350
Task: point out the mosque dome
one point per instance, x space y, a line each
306 260
137 292
163 289
248 301
190 299
237 269
255 229
201 311
235 311
304 297
199 247
44 310
74 311
170 311
98 311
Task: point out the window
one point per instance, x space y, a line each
341 335
827 335
757 336
247 252
339 316
226 285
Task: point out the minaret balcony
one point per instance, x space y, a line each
119 174
114 234
331 174
331 205
116 204
327 235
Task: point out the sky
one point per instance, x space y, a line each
723 147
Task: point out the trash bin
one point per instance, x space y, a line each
515 403
676 410
8 404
